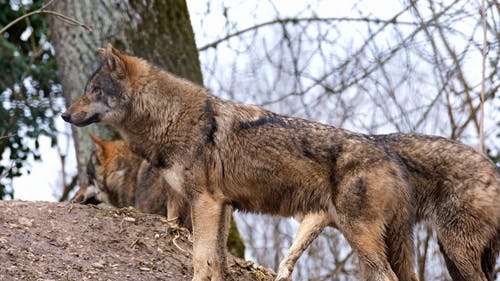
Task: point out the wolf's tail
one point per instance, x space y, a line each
489 257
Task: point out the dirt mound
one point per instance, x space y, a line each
59 241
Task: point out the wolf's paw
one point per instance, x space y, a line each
284 274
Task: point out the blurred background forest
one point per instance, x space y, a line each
410 66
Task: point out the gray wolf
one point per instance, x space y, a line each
457 191
221 154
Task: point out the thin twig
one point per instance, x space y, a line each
8 170
69 20
121 226
58 15
173 221
174 241
7 136
135 242
297 20
70 207
47 4
483 78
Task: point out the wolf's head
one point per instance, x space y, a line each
111 173
106 92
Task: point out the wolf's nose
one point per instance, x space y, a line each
66 116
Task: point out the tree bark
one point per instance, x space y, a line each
158 30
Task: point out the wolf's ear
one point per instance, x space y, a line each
97 140
102 52
113 60
99 143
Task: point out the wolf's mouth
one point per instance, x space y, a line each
93 119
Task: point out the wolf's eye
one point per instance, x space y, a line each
97 91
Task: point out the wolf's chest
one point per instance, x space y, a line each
175 178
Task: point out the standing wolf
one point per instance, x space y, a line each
220 153
457 190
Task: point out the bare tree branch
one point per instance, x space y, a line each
43 10
484 54
299 20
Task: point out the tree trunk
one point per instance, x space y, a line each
159 31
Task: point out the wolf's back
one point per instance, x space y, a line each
437 161
443 166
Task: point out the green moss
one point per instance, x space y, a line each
235 244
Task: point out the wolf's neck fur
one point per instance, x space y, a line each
163 107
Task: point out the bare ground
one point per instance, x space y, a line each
61 241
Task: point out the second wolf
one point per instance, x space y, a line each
119 177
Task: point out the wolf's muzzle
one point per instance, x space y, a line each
66 117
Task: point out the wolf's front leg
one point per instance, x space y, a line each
210 229
310 227
173 212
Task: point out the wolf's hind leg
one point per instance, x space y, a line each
400 251
210 230
462 265
367 239
311 225
452 268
